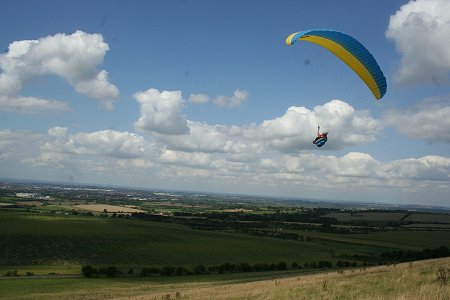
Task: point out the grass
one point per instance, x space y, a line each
414 239
417 280
37 239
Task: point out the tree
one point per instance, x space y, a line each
281 265
200 269
167 271
88 271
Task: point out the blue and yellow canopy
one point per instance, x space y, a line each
350 51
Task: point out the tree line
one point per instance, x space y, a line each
387 257
111 271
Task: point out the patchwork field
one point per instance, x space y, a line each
108 208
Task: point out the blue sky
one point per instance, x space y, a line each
206 96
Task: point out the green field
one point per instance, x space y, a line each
413 239
45 243
28 239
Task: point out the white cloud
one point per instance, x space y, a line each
161 112
237 99
104 143
16 141
135 163
185 158
198 98
292 132
427 168
116 156
208 138
296 129
421 31
428 121
72 57
57 131
45 159
31 104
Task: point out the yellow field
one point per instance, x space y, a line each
109 208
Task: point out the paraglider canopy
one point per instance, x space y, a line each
350 51
321 138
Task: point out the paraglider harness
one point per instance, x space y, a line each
321 138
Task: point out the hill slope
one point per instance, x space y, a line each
417 280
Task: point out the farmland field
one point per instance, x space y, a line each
47 244
29 239
108 208
428 218
367 216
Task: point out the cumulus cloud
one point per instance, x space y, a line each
119 155
421 31
72 57
198 98
428 121
357 170
237 99
297 127
31 104
427 168
112 143
161 112
185 158
14 141
135 163
292 132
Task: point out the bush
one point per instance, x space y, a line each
150 271
11 273
200 269
88 271
181 271
110 271
245 267
281 265
167 271
325 264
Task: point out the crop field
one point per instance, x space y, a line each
430 218
62 243
414 239
368 216
108 208
37 239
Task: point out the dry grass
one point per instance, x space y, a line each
415 280
29 203
109 208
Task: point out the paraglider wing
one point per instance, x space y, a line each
350 51
320 142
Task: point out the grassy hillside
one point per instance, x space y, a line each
35 239
417 280
43 243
